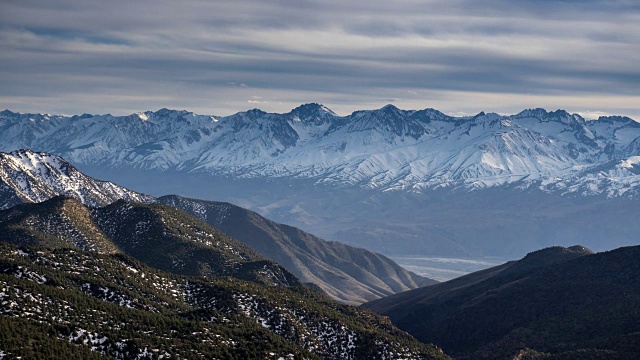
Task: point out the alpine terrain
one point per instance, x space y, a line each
27 176
387 149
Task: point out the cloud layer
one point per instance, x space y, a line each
219 57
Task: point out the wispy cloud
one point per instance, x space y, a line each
76 56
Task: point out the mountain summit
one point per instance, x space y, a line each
376 175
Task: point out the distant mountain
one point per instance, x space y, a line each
158 235
349 274
74 304
385 149
27 177
554 303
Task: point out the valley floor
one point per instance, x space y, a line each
444 268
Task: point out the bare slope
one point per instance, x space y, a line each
346 273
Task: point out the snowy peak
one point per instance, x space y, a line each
538 113
27 176
621 120
390 110
428 115
36 163
164 112
560 116
389 121
81 117
312 110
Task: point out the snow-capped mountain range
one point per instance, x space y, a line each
384 149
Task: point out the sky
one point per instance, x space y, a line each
220 57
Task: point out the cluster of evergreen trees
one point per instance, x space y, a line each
80 300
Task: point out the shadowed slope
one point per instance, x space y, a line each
158 235
556 301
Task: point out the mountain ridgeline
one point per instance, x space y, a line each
146 280
555 303
89 269
349 274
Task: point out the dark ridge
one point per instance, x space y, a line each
554 301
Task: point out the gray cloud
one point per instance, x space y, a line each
72 56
